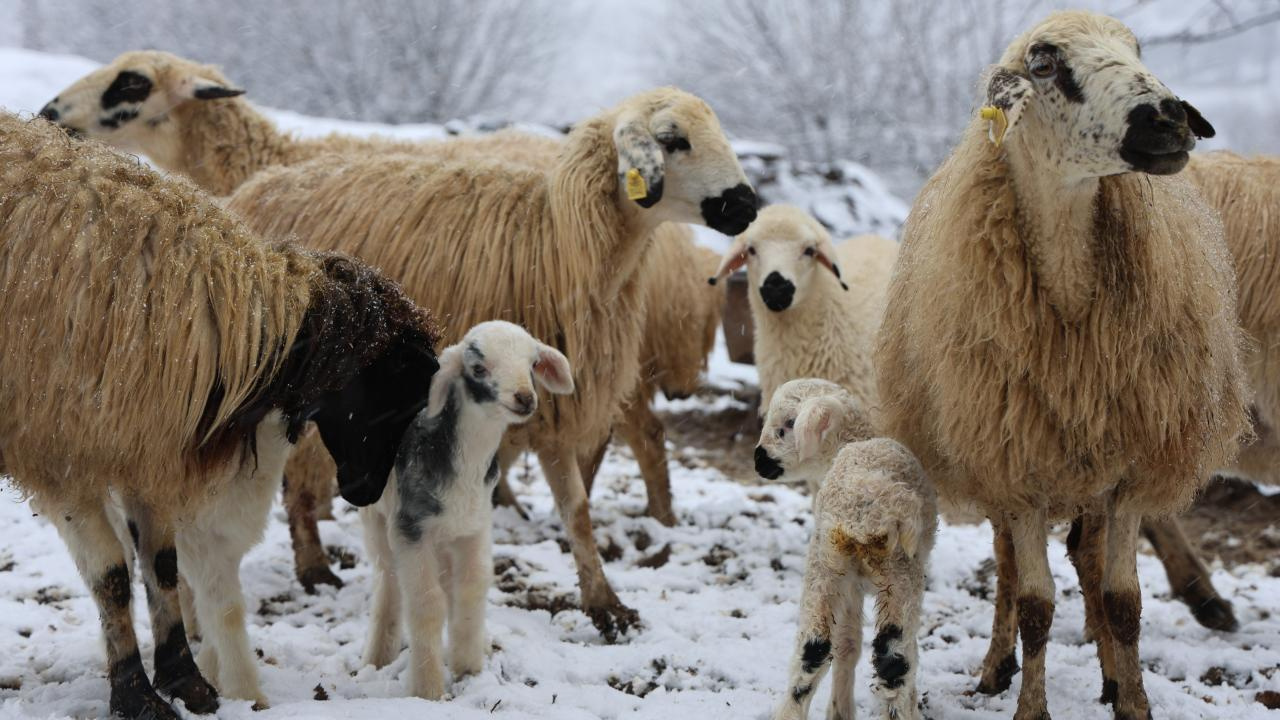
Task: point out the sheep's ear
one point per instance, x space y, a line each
450 370
1196 121
734 259
552 370
814 423
825 254
194 87
1007 95
641 164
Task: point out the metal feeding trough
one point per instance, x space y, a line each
736 319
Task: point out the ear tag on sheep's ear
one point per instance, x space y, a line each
637 189
998 123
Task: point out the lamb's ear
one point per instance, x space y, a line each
1007 95
1196 121
814 423
552 370
196 87
735 258
825 253
450 370
641 164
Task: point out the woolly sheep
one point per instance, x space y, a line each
1060 332
188 415
809 321
428 537
875 517
556 251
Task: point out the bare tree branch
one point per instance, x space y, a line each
1189 36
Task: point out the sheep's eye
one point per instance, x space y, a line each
1043 66
810 252
674 143
751 250
782 432
479 370
789 424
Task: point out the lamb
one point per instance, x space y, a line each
429 534
875 518
811 323
1060 334
556 252
189 354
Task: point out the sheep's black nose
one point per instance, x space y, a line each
767 467
525 402
777 292
48 112
732 211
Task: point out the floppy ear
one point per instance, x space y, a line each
824 253
735 258
552 370
1196 121
641 164
1007 95
814 423
450 370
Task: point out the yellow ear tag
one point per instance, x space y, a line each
999 123
636 187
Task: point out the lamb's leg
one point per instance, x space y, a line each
417 570
503 496
1122 599
647 438
188 602
99 557
599 602
1001 662
1087 547
589 464
813 640
176 674
846 645
1188 577
384 642
895 652
471 559
1035 608
305 485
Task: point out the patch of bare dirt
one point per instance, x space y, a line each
1235 522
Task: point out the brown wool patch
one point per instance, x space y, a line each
1124 615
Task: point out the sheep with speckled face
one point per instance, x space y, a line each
428 537
875 517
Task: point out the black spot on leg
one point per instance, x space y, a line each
801 692
890 668
166 568
129 86
815 654
112 588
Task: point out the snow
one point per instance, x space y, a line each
719 616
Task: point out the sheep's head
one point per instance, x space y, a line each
807 422
129 104
782 250
675 162
1074 92
498 364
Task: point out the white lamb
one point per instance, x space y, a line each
875 517
428 536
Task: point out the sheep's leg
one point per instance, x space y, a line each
1087 547
647 438
176 674
1188 577
471 559
503 496
813 640
1122 599
310 562
1035 608
383 644
599 602
895 656
187 600
845 647
99 557
1001 662
417 568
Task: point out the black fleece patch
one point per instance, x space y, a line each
815 654
112 588
424 466
166 567
128 87
890 668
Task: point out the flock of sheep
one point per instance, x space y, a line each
1059 338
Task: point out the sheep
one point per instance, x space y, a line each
555 251
1060 335
162 353
428 537
875 518
810 322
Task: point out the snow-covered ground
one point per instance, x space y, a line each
718 613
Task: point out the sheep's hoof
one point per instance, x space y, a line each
140 703
1003 676
613 620
318 575
1215 614
1109 691
192 689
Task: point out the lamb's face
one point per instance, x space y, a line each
801 430
786 253
1080 98
129 103
675 162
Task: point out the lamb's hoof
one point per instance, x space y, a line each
1215 614
192 689
1003 676
141 703
318 575
613 620
1109 691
